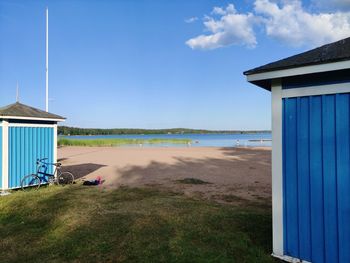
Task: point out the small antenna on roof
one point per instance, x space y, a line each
17 92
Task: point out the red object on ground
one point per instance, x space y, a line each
99 179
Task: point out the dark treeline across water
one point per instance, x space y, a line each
64 130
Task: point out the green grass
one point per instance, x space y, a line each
117 142
83 224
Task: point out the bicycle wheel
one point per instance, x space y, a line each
65 178
30 181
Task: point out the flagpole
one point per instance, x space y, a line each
47 59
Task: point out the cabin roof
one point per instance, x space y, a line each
333 52
20 111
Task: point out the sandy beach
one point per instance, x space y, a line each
230 173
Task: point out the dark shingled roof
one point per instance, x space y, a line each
20 110
333 52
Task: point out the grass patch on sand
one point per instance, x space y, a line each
117 142
192 181
79 224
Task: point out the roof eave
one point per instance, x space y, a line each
303 70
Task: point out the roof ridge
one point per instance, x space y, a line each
18 109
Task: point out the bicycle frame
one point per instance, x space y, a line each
41 171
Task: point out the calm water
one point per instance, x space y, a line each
198 140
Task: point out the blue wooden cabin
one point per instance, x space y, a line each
26 134
310 153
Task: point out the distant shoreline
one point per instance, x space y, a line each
71 131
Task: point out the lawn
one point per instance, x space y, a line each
86 224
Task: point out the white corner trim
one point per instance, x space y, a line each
30 118
277 176
5 154
290 259
316 90
300 71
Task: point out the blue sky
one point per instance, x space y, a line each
156 63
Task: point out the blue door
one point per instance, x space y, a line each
316 178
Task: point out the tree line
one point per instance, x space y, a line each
65 130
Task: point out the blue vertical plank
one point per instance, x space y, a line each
284 135
343 174
303 179
12 154
45 144
291 194
51 147
16 140
22 162
39 143
13 144
9 153
17 160
16 152
1 153
316 180
26 152
329 178
30 157
35 146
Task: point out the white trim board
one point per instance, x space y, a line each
29 118
290 259
277 176
5 153
299 71
316 90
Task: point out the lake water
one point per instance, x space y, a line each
198 140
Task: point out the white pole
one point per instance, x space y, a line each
47 59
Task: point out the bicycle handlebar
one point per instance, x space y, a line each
42 161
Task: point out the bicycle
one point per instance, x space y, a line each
41 176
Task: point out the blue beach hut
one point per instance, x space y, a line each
310 153
26 134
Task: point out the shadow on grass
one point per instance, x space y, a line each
128 225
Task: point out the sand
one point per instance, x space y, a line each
231 174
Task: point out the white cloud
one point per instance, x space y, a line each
284 20
230 28
191 19
291 24
230 9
